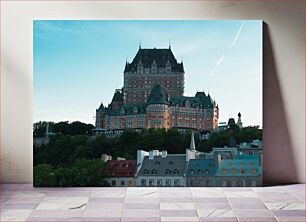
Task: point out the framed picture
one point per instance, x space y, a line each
167 103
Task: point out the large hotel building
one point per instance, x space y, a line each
153 97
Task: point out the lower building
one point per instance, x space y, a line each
122 173
161 169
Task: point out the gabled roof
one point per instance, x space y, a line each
172 162
159 56
157 96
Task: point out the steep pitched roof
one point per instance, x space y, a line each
118 96
241 165
157 96
200 99
160 56
101 107
172 162
128 109
121 168
201 167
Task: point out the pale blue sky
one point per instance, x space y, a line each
78 64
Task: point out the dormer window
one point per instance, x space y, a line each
191 171
140 67
154 172
122 111
187 104
154 67
135 110
170 163
243 170
176 171
206 171
199 171
145 172
168 67
157 163
167 171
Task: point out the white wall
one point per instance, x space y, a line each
284 79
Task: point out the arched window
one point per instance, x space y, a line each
154 172
191 171
176 171
233 170
223 170
199 171
145 171
206 171
170 163
167 171
243 170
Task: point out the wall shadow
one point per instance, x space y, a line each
279 165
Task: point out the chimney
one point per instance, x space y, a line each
164 153
217 159
106 157
192 144
151 154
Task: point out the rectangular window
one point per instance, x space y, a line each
176 182
234 184
122 183
113 182
151 182
159 182
168 182
224 184
143 183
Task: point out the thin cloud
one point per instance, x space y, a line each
236 37
219 62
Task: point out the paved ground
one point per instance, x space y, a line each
22 202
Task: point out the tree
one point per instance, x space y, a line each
74 128
65 177
90 172
44 176
39 128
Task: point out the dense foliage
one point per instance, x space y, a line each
65 128
81 173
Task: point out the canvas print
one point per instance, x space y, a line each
139 103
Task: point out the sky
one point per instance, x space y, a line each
79 63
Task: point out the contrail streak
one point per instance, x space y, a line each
229 47
237 36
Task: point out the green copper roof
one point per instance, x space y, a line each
118 96
200 100
128 109
157 96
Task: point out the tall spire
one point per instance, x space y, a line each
192 144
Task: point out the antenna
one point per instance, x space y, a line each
169 43
139 43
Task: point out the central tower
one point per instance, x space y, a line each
149 68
